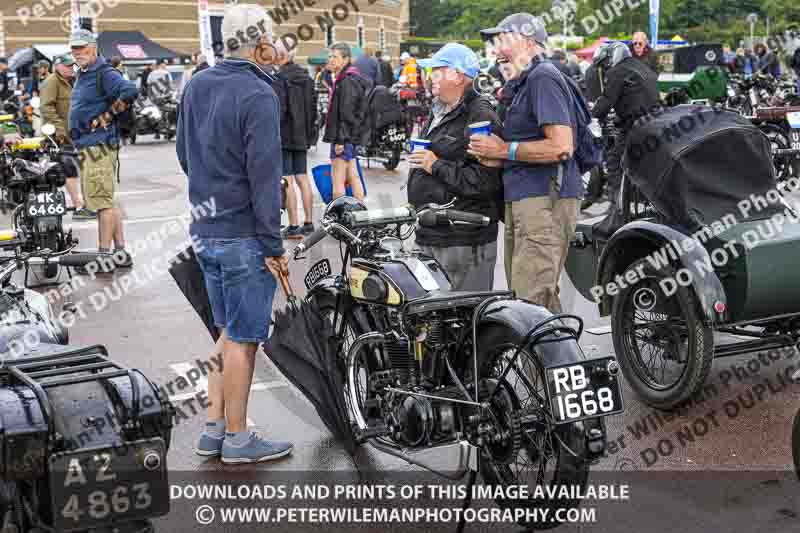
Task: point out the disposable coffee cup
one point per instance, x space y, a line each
418 144
421 144
481 128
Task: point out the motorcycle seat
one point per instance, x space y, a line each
437 300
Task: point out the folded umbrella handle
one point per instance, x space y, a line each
283 278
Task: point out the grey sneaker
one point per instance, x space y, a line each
256 450
209 446
292 232
83 214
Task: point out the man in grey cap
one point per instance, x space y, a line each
99 95
55 98
38 77
540 176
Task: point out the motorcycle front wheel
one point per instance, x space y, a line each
796 444
535 454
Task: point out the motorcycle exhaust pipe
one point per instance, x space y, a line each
450 461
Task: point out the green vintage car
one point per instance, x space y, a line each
695 70
704 244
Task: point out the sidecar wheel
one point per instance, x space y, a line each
796 444
662 345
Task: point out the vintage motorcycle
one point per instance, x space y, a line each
155 117
480 380
33 173
84 439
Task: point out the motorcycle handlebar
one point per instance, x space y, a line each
310 241
448 216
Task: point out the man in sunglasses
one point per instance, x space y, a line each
640 49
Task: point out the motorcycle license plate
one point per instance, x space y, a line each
793 119
794 139
320 270
46 204
93 488
579 391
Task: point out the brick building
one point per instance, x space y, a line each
369 24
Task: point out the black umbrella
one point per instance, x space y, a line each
186 271
303 348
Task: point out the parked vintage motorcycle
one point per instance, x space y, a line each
155 117
435 376
386 136
84 439
33 173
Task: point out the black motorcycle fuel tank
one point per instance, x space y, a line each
396 281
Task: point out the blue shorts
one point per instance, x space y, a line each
240 287
348 155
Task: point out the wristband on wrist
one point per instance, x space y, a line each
512 151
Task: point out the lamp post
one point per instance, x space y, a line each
752 18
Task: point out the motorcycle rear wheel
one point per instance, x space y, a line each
549 455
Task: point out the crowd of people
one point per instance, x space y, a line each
525 173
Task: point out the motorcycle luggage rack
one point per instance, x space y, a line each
35 373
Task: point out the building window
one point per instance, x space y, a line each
86 23
330 36
361 39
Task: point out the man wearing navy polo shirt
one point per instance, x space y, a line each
541 178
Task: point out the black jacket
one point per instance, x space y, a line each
649 58
385 74
631 88
769 64
347 120
301 107
5 92
478 189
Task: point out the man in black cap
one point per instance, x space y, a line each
5 91
540 175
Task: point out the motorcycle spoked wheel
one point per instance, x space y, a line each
545 455
778 140
351 332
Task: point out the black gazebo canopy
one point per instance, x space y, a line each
133 46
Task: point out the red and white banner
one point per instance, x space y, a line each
75 6
131 51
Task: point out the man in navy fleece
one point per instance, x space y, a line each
229 145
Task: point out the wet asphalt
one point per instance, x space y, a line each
722 464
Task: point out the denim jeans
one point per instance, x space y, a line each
240 287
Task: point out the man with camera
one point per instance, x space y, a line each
56 94
95 133
445 172
233 108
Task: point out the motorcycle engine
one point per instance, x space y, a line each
422 421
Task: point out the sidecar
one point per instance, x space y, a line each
704 245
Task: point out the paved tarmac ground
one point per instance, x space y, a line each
740 432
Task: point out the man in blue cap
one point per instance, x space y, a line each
446 172
99 95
